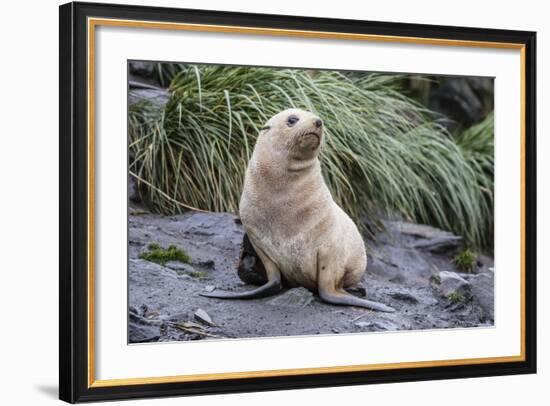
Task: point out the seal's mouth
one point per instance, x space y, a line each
308 140
316 134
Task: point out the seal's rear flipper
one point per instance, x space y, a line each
346 299
269 289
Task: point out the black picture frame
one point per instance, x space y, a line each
74 385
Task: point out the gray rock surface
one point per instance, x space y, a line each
449 283
141 329
482 286
429 238
203 317
141 68
296 297
404 295
377 325
158 97
181 267
163 300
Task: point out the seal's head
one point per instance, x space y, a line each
299 133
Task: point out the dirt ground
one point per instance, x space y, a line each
409 269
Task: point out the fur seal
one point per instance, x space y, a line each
301 235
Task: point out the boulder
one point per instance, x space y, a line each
399 264
141 330
465 101
429 238
482 287
141 68
450 283
156 96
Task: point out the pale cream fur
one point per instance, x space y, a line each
288 211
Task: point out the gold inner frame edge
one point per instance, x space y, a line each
93 22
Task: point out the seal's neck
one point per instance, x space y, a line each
279 166
302 165
280 170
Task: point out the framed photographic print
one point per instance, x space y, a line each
255 202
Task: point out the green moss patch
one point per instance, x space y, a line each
455 297
161 255
465 260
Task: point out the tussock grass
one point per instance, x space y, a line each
382 151
477 147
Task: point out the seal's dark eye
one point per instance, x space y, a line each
291 120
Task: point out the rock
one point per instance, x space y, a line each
175 317
450 283
296 297
401 265
482 287
428 238
141 330
209 288
209 264
402 294
143 310
379 324
218 229
465 101
203 317
158 97
180 266
440 244
430 301
138 317
140 68
144 273
142 334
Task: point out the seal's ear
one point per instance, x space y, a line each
266 128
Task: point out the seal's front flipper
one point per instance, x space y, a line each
271 288
341 297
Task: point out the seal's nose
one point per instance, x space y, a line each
318 123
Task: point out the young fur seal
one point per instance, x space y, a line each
301 235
